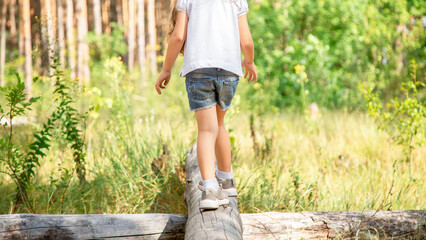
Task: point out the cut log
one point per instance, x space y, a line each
340 225
269 225
94 226
222 223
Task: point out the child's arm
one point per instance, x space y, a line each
176 42
247 47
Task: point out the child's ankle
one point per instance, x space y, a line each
224 175
210 183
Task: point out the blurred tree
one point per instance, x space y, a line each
12 27
21 43
82 67
131 40
70 38
28 48
106 8
97 16
3 41
119 12
61 32
152 36
141 38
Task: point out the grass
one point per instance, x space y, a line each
137 143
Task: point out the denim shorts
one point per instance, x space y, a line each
207 87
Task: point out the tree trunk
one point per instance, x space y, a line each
141 39
269 225
83 72
125 11
48 34
12 32
222 223
3 41
119 11
97 16
106 5
61 32
152 37
21 30
28 49
70 38
131 36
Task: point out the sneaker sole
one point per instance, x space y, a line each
232 192
209 204
224 201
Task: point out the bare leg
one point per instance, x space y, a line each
223 143
207 133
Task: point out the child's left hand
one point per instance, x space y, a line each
162 81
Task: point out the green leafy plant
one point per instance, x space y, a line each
13 162
20 163
404 119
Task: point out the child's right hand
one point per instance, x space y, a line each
162 81
250 71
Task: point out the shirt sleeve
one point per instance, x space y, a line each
244 8
181 5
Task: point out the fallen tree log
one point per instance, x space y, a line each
92 226
336 225
222 223
268 225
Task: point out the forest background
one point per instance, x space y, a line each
336 121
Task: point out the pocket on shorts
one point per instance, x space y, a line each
229 89
199 88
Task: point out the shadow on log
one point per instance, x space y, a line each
224 223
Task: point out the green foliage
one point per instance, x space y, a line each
339 42
404 118
107 45
20 163
13 162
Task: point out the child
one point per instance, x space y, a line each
211 34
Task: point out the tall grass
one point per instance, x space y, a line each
137 144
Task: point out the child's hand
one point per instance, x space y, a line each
250 71
162 81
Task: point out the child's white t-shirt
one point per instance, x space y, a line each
213 38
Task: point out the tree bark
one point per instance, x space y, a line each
269 225
92 226
106 5
141 39
48 33
97 16
152 33
125 12
119 11
3 41
61 32
28 49
12 32
131 36
222 223
21 30
336 225
70 38
83 72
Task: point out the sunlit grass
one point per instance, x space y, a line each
337 162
